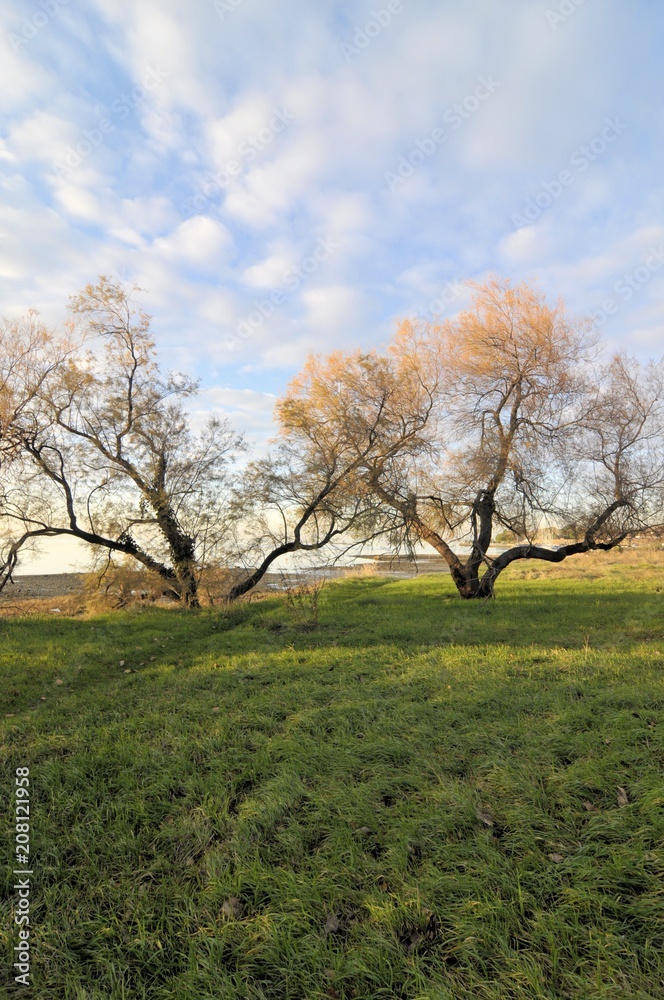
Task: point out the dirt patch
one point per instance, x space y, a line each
25 588
47 594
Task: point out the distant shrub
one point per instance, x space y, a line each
119 586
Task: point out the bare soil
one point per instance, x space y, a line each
26 588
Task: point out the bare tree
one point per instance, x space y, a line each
106 454
527 430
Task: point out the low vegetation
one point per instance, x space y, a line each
403 795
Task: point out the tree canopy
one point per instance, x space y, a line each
509 419
104 452
529 425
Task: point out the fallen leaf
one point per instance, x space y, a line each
410 938
607 740
363 831
332 925
623 800
216 709
556 857
231 908
589 806
56 611
484 817
43 698
59 681
127 671
122 663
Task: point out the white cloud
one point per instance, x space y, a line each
270 272
20 76
526 246
270 190
141 219
226 135
41 136
201 241
218 308
249 411
165 37
78 201
332 310
290 354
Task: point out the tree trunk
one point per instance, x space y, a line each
239 589
187 586
182 550
470 585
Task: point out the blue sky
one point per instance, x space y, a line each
283 178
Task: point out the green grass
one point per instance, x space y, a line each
416 799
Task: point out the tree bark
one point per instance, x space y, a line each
254 578
183 555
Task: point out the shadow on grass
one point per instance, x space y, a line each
420 612
427 612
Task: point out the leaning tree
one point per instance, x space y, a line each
311 491
101 444
531 427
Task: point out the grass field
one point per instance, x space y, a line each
417 798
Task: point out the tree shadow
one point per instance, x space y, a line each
359 613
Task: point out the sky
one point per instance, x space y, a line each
282 178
